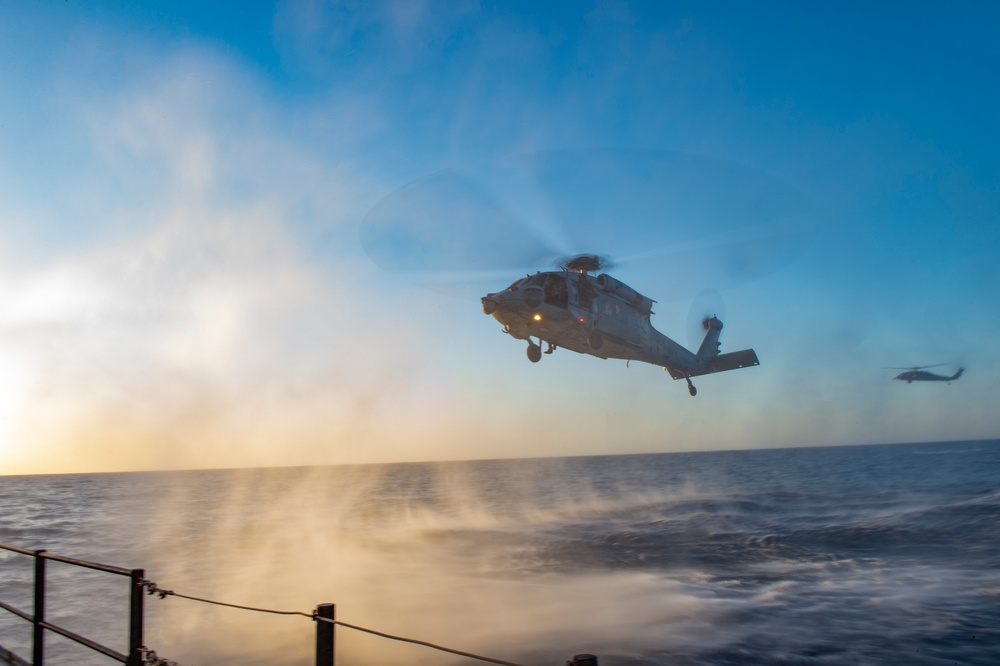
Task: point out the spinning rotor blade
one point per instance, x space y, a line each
687 220
445 221
450 234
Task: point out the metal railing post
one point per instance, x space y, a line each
135 619
38 633
325 638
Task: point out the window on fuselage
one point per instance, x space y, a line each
584 295
555 290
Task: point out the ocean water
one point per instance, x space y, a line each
885 554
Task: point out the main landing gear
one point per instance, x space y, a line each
691 389
535 351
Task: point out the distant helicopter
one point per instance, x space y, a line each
919 374
603 317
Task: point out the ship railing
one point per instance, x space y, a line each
139 655
134 654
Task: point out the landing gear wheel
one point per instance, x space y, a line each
534 352
691 389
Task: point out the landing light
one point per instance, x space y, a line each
537 317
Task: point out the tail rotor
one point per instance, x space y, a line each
705 307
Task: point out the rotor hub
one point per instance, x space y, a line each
584 263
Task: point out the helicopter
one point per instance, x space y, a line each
919 374
462 230
603 317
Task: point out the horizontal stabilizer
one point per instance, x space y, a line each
731 361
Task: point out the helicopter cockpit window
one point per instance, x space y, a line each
538 279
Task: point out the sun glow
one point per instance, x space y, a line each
14 386
36 307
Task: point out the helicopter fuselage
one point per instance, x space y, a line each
602 317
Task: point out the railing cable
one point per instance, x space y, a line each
418 642
152 588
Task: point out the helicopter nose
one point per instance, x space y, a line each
512 301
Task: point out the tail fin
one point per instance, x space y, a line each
710 360
709 348
957 374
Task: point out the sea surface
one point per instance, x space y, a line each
883 554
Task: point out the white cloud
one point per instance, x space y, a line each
204 320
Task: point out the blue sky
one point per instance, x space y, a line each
181 191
